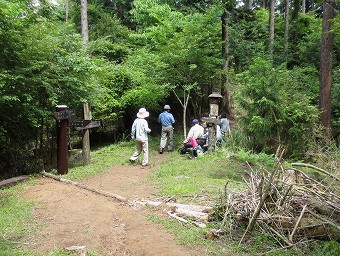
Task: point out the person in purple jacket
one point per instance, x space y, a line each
167 120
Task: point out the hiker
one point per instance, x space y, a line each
167 120
219 136
196 132
225 124
139 132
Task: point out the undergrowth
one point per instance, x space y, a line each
198 181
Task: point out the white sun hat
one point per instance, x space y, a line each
142 113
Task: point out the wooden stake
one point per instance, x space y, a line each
86 136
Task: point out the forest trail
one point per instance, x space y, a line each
71 216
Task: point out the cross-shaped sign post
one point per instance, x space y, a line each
64 118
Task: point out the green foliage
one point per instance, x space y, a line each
247 38
277 105
150 13
103 47
335 100
126 87
331 248
262 160
307 50
180 41
138 47
43 65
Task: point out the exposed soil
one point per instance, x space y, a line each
71 216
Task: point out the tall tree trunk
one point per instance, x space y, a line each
67 7
84 23
286 30
296 8
248 4
295 16
225 52
303 8
271 26
326 65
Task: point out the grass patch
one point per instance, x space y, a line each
191 236
101 160
183 177
15 221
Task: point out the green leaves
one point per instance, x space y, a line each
42 64
276 105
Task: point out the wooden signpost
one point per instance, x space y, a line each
64 118
62 115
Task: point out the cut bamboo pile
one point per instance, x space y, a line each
288 204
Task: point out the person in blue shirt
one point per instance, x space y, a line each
167 120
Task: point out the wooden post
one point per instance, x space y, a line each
62 152
86 136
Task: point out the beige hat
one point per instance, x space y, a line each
142 113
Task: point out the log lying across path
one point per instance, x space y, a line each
194 214
97 191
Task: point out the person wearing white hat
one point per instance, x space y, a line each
167 120
139 132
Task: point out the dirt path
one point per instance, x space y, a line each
71 216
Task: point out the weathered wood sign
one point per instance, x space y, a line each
67 118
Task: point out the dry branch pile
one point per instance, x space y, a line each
288 204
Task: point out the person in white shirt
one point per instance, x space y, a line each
196 132
139 132
225 125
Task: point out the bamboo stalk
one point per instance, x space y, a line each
259 207
317 168
281 236
290 237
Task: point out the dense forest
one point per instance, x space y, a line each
276 64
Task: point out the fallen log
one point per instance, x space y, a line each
195 212
98 191
196 223
322 231
13 181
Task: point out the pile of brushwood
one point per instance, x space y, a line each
287 204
